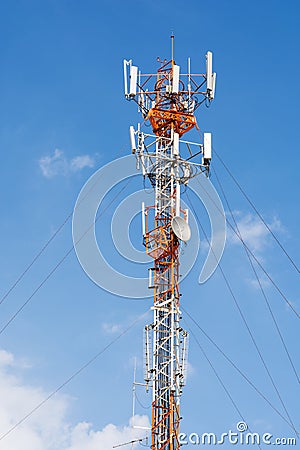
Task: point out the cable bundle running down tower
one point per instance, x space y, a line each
168 100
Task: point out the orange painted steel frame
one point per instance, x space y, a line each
162 244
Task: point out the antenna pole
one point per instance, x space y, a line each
172 100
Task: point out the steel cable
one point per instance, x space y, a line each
258 280
256 259
254 207
247 326
75 374
217 375
236 367
44 247
60 262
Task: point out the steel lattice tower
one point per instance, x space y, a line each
168 101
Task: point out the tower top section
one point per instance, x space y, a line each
170 97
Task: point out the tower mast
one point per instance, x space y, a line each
168 101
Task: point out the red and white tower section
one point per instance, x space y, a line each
167 100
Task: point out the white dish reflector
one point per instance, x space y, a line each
181 228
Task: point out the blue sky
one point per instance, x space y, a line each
63 116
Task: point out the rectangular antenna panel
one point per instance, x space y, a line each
176 144
212 94
125 64
175 81
151 278
133 80
209 79
177 203
132 139
143 219
207 146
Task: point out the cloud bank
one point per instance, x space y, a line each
48 428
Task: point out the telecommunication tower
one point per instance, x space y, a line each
167 99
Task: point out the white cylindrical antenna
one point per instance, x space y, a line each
177 207
207 147
132 139
133 80
147 357
184 358
209 80
175 80
141 147
143 219
139 99
175 144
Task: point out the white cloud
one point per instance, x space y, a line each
48 427
263 282
190 370
263 425
59 164
111 328
6 358
53 165
80 162
84 437
254 233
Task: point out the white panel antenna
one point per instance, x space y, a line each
209 75
207 147
175 81
143 219
125 65
177 205
133 80
176 144
132 139
212 93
